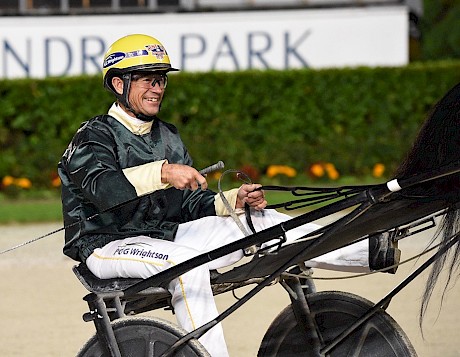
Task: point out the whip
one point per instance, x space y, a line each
217 166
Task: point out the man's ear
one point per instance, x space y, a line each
117 84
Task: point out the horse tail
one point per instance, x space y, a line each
449 229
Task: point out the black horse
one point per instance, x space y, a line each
438 144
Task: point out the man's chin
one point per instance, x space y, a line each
150 113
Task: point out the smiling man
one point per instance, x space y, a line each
133 204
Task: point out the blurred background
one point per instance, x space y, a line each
292 92
432 18
298 92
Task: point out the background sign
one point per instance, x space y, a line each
228 41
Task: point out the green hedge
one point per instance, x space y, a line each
353 118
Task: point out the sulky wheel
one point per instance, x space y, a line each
333 312
142 337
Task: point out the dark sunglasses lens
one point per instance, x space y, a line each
161 80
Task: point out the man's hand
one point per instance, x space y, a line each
182 177
247 194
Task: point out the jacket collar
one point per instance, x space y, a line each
136 126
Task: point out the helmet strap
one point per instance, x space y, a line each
124 99
124 96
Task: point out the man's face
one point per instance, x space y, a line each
146 92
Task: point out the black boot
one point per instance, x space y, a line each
384 252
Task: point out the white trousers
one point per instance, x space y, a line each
192 298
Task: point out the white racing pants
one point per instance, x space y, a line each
192 298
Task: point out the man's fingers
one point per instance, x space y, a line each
185 177
202 182
256 199
255 195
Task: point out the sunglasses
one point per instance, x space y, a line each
147 81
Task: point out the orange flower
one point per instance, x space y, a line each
317 170
56 182
23 183
331 171
378 170
7 181
274 170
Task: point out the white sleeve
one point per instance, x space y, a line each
146 178
221 209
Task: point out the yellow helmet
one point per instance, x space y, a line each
133 53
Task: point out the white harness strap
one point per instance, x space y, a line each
393 185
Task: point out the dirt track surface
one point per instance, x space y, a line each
42 302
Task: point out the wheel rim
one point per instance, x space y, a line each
142 337
333 312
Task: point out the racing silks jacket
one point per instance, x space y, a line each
111 184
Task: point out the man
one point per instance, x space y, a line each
150 209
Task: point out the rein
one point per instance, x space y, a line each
217 166
312 195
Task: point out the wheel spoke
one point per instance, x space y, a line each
333 312
145 337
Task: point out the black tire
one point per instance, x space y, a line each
142 337
333 312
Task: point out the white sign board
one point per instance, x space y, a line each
226 41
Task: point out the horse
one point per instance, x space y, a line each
438 144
